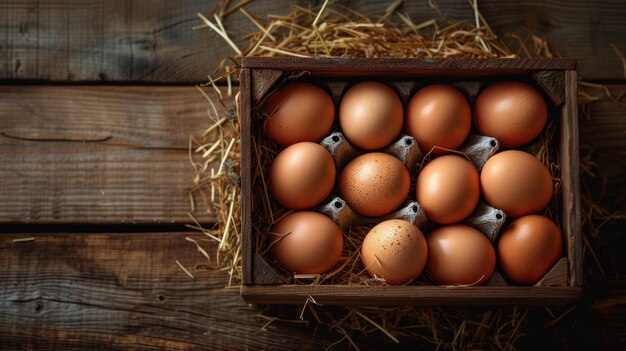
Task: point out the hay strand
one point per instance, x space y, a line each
180 265
220 31
23 240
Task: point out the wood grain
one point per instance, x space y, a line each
553 84
97 154
93 41
124 291
606 123
604 132
246 174
569 152
119 40
408 66
557 275
411 295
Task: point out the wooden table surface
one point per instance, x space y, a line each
96 108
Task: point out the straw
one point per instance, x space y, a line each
23 240
180 265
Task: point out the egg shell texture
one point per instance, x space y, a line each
370 115
516 182
298 112
448 189
394 250
512 112
529 247
459 255
302 175
306 242
374 184
438 115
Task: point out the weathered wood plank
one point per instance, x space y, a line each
116 40
125 291
407 66
607 122
569 152
153 41
399 295
604 133
80 154
246 173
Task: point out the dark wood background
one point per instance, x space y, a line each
96 108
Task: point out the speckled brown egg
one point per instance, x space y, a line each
459 255
306 242
302 175
448 189
510 111
298 112
374 184
394 250
438 115
529 247
370 115
516 182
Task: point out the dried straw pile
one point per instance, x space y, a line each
333 30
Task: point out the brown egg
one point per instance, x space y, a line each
448 189
302 175
298 112
374 184
459 255
512 112
306 242
438 115
370 115
529 248
516 182
394 250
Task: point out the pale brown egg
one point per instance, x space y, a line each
448 189
302 175
528 248
516 182
512 112
374 184
370 115
394 250
306 242
459 255
438 115
298 112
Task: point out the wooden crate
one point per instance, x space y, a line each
555 77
